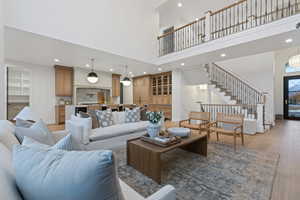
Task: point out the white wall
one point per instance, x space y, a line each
171 15
281 58
186 92
127 28
258 71
2 68
42 89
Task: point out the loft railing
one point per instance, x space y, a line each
240 90
249 111
184 37
237 17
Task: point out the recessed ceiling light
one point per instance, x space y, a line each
56 60
179 4
87 65
145 73
182 64
223 55
130 72
159 69
197 19
111 70
289 40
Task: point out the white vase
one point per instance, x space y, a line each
153 130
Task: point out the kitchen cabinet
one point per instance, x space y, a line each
116 89
141 90
60 114
63 81
161 88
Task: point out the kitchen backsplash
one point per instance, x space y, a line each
90 95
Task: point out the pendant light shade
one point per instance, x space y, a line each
294 61
126 81
92 77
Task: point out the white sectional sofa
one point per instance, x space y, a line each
110 137
8 188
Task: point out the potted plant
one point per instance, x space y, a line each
155 122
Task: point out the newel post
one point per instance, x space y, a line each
208 25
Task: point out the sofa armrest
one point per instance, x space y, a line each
58 135
76 130
165 193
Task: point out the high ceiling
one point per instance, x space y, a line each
31 48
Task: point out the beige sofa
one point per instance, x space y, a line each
8 188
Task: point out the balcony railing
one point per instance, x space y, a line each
237 17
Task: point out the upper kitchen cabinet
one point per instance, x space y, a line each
63 81
141 90
116 88
161 88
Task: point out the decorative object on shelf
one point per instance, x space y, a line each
126 81
92 77
154 126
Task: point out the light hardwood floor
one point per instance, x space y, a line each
284 139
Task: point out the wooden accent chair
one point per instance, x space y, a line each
235 122
203 117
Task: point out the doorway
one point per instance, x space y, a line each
292 97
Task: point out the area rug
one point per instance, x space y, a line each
223 174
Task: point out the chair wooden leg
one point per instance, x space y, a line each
243 141
234 142
217 136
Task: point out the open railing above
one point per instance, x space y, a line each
237 17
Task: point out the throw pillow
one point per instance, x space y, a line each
23 123
143 114
95 122
8 186
7 136
86 123
67 143
38 131
105 118
64 175
132 115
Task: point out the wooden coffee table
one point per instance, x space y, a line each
145 157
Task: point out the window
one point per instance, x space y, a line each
289 69
18 90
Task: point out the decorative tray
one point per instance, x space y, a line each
169 141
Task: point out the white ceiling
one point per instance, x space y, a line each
31 48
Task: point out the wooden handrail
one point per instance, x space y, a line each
182 27
238 79
227 7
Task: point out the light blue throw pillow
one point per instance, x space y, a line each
67 143
38 131
65 175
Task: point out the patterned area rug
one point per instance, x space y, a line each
224 174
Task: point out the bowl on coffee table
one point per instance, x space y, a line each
180 132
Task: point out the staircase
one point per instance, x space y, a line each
238 91
241 97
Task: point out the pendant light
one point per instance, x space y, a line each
126 81
92 77
294 61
